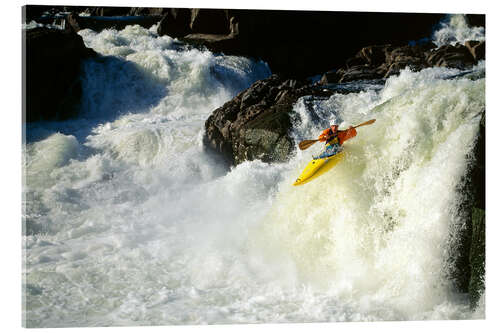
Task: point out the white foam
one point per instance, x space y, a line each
454 29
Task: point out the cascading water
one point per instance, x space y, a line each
128 221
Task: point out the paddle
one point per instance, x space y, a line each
303 145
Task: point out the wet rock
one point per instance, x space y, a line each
382 61
210 21
453 56
360 72
468 254
299 43
476 20
374 55
329 78
52 73
146 11
77 23
175 23
477 257
109 11
477 49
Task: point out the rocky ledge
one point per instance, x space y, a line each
382 61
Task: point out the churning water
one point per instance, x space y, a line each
129 221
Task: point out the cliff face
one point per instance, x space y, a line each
52 73
295 43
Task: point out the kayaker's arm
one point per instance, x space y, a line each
347 134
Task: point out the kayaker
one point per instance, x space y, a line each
334 139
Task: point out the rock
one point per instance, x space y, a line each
477 49
381 61
360 72
299 43
374 55
97 24
109 11
476 20
210 21
255 124
175 23
453 56
467 250
477 257
146 11
53 59
329 78
35 12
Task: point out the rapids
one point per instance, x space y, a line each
129 221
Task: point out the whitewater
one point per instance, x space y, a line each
128 220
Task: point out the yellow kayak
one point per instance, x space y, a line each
316 168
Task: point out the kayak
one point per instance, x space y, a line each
316 168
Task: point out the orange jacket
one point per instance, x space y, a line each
343 136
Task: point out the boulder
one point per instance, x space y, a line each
329 77
382 61
477 257
255 124
453 56
175 23
360 72
477 49
374 55
478 233
467 250
210 21
476 20
52 73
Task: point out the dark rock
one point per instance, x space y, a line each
453 56
146 11
255 124
477 49
374 55
355 61
109 11
360 72
329 78
477 256
478 233
210 21
52 71
78 23
468 246
175 23
35 12
476 20
298 43
382 61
